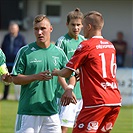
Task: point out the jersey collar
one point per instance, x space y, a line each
97 37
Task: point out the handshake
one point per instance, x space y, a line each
48 75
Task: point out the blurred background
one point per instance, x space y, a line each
118 16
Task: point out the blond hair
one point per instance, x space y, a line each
40 18
95 19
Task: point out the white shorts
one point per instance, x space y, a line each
69 113
38 124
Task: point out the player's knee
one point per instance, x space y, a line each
106 128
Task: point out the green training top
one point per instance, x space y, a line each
3 67
2 57
38 97
69 45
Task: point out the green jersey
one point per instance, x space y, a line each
3 68
69 45
2 57
38 97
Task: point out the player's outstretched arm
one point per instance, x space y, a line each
65 72
26 79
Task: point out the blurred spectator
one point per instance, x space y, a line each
12 42
121 47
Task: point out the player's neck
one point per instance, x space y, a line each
95 33
44 44
73 36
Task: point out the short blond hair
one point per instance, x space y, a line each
95 19
40 18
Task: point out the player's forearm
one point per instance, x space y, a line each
72 81
62 82
65 85
23 79
65 73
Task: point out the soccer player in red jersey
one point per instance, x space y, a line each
96 60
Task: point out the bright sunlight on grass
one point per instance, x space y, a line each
8 111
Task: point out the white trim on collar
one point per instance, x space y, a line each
97 37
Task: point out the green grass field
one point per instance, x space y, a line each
8 110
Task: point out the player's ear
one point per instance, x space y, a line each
89 27
51 28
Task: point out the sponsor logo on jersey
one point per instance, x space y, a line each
99 46
35 60
55 60
104 45
112 85
81 125
107 127
33 49
105 42
92 126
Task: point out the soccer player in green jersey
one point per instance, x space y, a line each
38 110
69 43
5 76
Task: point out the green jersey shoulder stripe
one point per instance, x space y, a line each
22 51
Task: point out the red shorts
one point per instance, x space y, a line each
96 120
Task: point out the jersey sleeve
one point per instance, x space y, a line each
60 42
79 57
19 64
2 58
64 59
3 67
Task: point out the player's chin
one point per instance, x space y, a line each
76 33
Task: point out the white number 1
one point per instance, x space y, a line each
113 66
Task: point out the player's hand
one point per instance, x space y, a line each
68 97
55 72
46 75
7 78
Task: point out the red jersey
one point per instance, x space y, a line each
96 60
